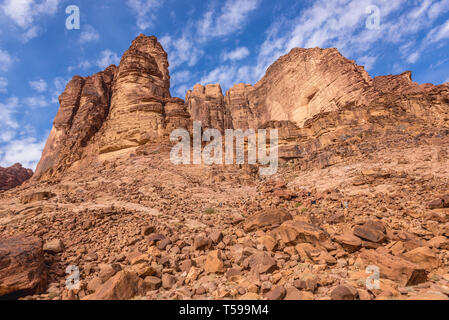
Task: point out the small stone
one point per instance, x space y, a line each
214 263
147 230
436 204
293 294
185 265
372 231
440 242
262 262
161 245
277 293
152 283
201 243
344 292
168 281
268 242
216 236
54 246
108 270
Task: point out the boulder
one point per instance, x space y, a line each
424 257
270 219
22 268
54 246
394 268
295 231
123 286
372 231
262 262
214 262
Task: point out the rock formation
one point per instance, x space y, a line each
14 176
128 106
22 268
364 183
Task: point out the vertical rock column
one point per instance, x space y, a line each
142 86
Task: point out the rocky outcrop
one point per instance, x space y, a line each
314 97
119 108
14 176
22 269
141 88
84 108
307 82
206 104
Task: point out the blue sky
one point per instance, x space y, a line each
227 41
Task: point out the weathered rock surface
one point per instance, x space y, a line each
364 182
22 269
395 268
14 176
123 286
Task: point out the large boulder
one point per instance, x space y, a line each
22 268
123 286
394 268
269 219
295 231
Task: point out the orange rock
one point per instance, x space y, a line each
394 268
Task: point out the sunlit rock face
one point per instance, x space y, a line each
314 97
142 85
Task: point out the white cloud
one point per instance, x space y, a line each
83 65
414 57
183 50
107 57
89 34
438 8
227 76
3 85
26 13
5 60
17 143
6 111
39 85
439 33
144 11
58 88
27 151
367 61
36 101
237 54
180 76
232 17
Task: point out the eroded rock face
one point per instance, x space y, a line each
314 97
119 108
141 88
206 104
84 108
14 176
307 82
22 270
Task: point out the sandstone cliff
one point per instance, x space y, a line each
365 182
309 94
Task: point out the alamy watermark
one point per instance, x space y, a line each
73 21
373 282
373 20
72 281
258 152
